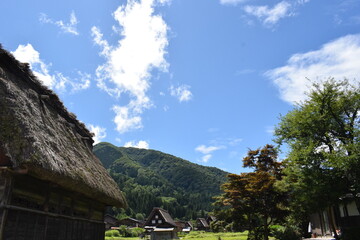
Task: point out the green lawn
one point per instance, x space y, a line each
122 238
214 236
194 235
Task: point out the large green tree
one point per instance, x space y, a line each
322 135
254 202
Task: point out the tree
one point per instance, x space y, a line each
252 196
322 134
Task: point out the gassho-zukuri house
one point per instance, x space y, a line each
51 184
160 225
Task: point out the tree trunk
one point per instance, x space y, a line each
331 220
266 228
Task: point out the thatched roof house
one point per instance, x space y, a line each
160 225
46 158
202 224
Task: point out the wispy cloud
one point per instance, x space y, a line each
355 19
182 93
128 65
270 15
232 2
139 144
207 150
302 1
270 130
127 118
206 158
226 142
338 59
69 27
234 141
99 133
55 80
266 14
244 72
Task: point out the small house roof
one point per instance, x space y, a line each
165 215
210 219
203 222
189 224
38 134
164 229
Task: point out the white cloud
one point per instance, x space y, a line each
56 80
69 27
206 158
129 64
231 2
226 142
27 54
338 59
163 2
126 120
140 144
270 130
182 93
206 150
99 133
235 141
302 1
234 154
270 16
76 84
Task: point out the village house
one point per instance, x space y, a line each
131 222
202 224
160 225
51 184
184 226
210 219
344 219
111 222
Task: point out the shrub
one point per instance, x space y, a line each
130 232
284 233
135 232
217 226
229 227
112 233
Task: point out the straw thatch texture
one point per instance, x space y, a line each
37 133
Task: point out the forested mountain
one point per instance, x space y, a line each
152 178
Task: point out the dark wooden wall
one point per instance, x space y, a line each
22 225
5 192
37 210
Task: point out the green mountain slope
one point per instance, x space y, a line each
152 178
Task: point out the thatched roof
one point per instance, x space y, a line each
39 135
165 215
202 223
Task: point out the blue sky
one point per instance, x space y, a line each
202 80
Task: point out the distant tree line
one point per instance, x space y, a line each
151 178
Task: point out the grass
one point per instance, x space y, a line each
199 235
215 236
122 238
